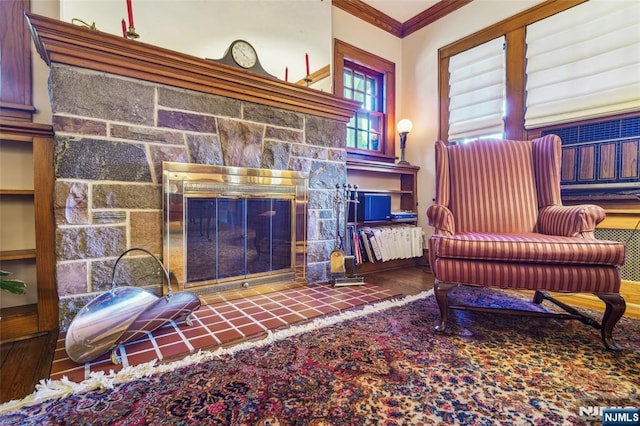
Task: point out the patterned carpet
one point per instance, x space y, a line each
383 368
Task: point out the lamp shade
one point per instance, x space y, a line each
404 126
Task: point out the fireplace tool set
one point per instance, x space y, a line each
124 314
342 265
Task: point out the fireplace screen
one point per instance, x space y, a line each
227 227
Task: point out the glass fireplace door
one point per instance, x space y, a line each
228 238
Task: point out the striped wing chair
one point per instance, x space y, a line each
499 222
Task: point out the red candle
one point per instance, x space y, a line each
286 74
124 29
306 57
130 11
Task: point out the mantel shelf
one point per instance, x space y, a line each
64 43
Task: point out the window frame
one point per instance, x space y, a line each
343 51
514 30
378 97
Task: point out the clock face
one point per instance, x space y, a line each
244 54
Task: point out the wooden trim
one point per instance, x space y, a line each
432 14
625 219
16 111
515 84
521 20
23 131
342 51
18 322
60 42
316 76
443 95
369 14
373 16
377 166
16 98
368 267
44 316
44 183
17 254
24 192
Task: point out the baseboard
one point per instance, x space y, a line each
18 322
630 290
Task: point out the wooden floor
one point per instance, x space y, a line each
23 363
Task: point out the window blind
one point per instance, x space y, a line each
583 63
477 91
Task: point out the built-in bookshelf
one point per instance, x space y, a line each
400 182
27 239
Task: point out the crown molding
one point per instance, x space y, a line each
369 14
64 43
432 14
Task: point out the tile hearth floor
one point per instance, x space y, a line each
224 323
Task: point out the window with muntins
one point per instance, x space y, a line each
365 130
369 80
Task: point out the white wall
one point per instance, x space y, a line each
281 31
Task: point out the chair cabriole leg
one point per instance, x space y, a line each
615 307
538 297
441 290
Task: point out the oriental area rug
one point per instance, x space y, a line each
379 365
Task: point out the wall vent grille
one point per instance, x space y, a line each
631 268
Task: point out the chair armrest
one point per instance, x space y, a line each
570 221
441 218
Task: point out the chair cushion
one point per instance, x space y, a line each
529 276
529 248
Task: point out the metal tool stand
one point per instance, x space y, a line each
346 276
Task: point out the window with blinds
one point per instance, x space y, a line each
583 62
477 91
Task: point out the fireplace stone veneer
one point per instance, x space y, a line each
112 134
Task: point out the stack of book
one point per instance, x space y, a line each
384 243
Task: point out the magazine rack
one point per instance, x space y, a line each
124 314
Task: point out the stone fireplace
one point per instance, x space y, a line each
121 108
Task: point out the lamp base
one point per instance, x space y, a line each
403 162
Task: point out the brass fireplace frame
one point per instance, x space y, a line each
185 181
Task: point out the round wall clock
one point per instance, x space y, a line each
244 54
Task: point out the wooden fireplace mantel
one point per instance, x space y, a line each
64 43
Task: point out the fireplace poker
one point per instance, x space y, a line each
337 256
348 276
